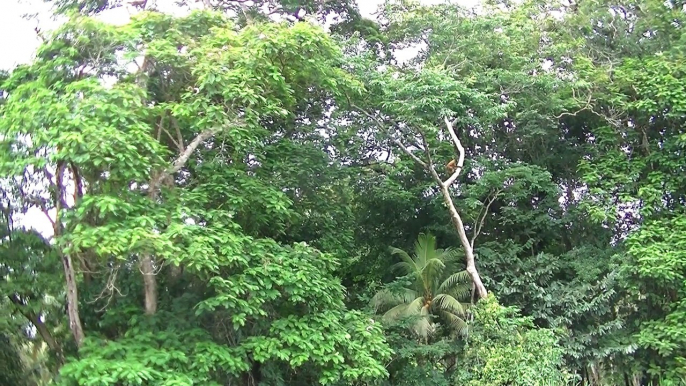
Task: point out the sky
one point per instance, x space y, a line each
19 41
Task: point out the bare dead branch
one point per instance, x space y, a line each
460 150
409 152
184 156
179 137
444 187
425 146
109 290
178 145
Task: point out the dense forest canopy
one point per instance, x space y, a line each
271 193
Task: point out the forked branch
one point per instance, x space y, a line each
183 157
460 149
481 219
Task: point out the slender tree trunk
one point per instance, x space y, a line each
147 266
72 301
69 272
150 284
44 332
147 263
42 329
594 374
455 218
454 215
466 245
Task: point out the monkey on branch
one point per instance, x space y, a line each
451 166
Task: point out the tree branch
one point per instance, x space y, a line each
184 156
408 152
460 150
179 137
587 106
425 146
479 224
41 328
395 141
444 187
78 189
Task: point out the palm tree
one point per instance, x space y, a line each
434 292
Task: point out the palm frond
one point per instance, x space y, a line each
381 299
456 323
434 266
422 327
417 305
387 298
445 302
395 313
460 292
453 280
404 310
424 248
405 268
452 254
408 264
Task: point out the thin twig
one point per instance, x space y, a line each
585 108
109 289
395 141
479 224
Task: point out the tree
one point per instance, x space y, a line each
158 184
404 93
508 350
434 292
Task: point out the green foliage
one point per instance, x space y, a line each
255 165
506 349
144 357
11 367
656 271
230 92
433 290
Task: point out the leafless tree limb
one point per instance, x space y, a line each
481 219
460 150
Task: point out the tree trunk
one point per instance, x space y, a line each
48 339
468 250
150 284
147 262
40 327
456 169
69 273
73 301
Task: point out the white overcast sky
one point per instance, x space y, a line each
18 39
